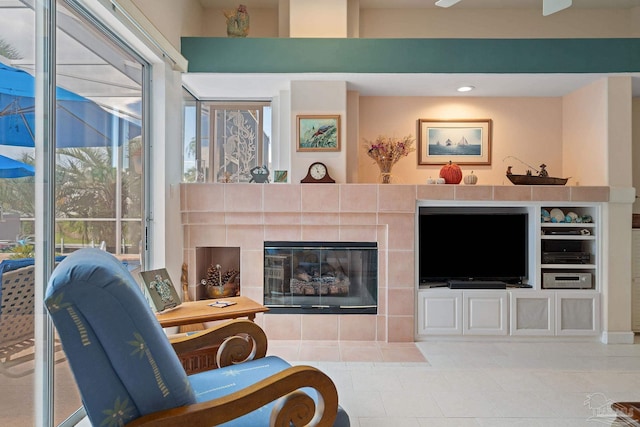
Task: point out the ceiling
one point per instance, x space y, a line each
465 4
265 86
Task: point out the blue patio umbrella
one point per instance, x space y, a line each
10 168
80 122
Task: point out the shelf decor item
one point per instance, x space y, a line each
387 152
464 141
451 173
159 289
471 179
280 176
259 174
542 178
219 285
237 21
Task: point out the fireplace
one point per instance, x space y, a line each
321 277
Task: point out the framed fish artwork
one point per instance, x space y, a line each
318 133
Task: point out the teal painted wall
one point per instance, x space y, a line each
295 55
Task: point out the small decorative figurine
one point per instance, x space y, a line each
259 174
237 21
543 171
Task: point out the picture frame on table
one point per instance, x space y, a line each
461 141
318 133
162 295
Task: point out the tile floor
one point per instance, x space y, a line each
446 383
496 384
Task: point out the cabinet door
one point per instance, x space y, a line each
439 312
485 313
532 313
577 313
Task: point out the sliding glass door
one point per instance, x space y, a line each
71 112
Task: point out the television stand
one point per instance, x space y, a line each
476 284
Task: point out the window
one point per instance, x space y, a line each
240 141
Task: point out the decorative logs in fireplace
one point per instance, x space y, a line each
313 276
327 285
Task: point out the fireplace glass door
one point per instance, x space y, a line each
321 277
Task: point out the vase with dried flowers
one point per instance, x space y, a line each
387 152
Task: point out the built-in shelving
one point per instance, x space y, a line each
567 252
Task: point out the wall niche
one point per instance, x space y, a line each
207 256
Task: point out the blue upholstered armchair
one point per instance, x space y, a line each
128 373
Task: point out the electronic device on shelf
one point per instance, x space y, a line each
564 280
562 232
476 284
561 246
566 257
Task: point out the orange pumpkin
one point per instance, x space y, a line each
451 173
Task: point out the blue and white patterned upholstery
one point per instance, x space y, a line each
121 358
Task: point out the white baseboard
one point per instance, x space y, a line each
617 337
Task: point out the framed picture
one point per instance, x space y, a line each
318 133
464 142
279 176
158 286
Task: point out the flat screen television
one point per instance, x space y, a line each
472 244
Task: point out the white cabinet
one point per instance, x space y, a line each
546 313
533 313
447 312
514 312
485 313
439 312
577 313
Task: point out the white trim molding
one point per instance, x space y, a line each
617 337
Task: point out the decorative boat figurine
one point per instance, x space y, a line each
542 178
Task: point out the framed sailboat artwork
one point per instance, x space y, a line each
461 141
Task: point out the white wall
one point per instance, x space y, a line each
498 23
585 135
619 124
313 18
173 18
281 131
307 18
635 148
166 172
321 98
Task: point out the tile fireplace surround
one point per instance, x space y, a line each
246 215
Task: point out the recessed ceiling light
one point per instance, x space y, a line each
466 88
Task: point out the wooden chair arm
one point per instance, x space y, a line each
296 407
225 344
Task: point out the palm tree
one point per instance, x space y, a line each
9 51
87 188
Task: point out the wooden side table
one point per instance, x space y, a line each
190 312
199 311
